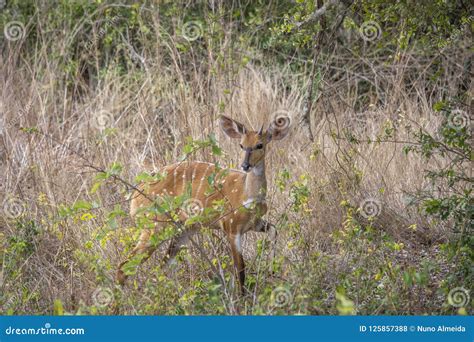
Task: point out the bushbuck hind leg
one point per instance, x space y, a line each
144 247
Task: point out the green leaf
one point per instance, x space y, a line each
439 106
344 305
101 176
144 177
58 309
216 150
95 187
82 205
116 168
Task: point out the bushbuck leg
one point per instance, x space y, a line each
239 264
144 247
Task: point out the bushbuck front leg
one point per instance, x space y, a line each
239 264
144 247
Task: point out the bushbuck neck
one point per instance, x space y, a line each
255 188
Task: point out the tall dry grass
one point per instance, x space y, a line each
141 120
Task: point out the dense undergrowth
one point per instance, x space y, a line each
371 193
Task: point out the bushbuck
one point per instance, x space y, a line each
242 192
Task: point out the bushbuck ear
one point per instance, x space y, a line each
231 128
279 128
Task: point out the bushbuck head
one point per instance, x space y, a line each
253 143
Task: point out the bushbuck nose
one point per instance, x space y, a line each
245 166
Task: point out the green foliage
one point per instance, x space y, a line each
358 268
454 204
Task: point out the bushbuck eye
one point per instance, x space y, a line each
241 146
259 146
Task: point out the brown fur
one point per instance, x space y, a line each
243 194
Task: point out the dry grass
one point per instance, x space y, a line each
141 120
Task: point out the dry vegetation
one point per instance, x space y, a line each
65 120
